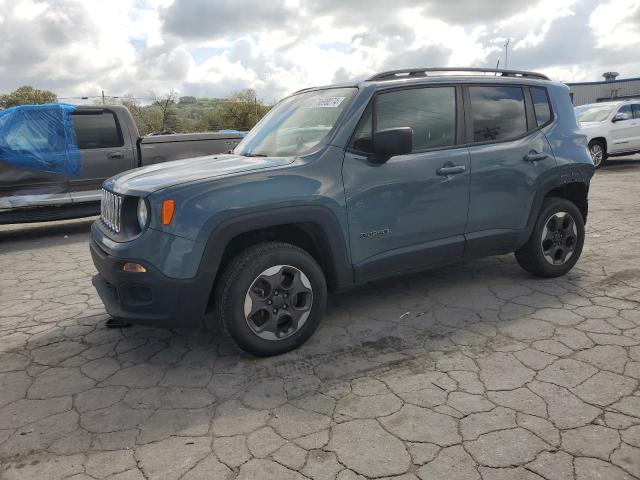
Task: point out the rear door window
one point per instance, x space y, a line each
97 130
498 113
541 106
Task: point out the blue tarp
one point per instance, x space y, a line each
40 137
228 130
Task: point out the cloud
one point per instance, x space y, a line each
214 47
59 46
473 12
571 49
211 19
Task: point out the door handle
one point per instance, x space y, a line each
534 156
115 155
452 170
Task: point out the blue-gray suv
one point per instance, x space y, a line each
341 185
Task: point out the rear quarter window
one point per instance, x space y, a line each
97 130
541 106
498 113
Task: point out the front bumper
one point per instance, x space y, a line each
149 298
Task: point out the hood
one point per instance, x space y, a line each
590 124
145 180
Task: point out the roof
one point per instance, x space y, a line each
429 71
603 82
427 75
604 104
458 79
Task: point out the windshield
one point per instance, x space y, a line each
593 113
296 125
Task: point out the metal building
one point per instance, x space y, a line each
609 89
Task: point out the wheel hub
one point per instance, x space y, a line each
559 238
278 302
596 154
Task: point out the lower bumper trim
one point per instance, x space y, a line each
149 298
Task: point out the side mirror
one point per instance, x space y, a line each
620 116
390 142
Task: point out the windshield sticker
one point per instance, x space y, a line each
327 102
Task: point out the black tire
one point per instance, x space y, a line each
242 273
532 256
598 150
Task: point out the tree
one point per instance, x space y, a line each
242 110
209 121
190 114
187 100
166 104
27 95
146 119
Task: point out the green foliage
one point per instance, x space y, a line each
27 95
241 111
168 112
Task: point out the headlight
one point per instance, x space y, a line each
142 213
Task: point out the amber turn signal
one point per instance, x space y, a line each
133 268
168 206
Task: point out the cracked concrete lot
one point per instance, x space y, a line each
475 371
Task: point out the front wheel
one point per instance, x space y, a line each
271 298
556 242
598 153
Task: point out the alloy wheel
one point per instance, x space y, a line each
597 154
278 302
559 238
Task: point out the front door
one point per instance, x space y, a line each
625 133
510 155
409 212
103 150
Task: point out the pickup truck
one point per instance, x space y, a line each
109 144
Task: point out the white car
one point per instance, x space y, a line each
612 128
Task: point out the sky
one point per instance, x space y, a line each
215 47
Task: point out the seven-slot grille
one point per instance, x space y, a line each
110 208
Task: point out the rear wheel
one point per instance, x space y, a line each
556 242
271 298
598 153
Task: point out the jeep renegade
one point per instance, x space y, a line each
344 184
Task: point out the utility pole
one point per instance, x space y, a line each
506 53
103 102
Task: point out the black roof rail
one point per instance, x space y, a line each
423 72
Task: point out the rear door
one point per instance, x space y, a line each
103 149
635 134
26 187
625 133
510 156
409 212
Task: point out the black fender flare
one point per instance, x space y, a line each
562 176
333 242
